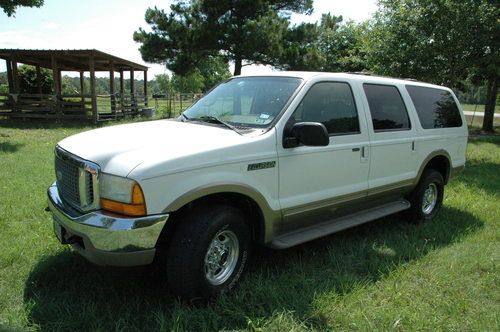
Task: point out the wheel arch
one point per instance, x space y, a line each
262 217
438 160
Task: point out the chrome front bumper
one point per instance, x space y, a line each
107 239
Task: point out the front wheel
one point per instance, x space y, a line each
427 198
208 253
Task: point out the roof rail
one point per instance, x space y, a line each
360 73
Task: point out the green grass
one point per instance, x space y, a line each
386 275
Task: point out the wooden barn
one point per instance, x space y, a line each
87 105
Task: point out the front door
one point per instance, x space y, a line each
315 181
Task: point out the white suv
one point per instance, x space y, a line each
275 160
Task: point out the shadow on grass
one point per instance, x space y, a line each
65 292
10 147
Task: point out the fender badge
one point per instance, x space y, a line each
257 166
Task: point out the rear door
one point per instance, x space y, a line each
392 139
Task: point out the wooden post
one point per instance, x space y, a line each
82 87
121 91
39 79
15 86
55 85
132 82
93 96
146 88
59 78
9 75
15 77
112 86
133 103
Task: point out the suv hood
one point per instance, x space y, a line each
120 149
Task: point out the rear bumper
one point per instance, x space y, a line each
106 239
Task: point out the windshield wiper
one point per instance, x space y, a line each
214 119
185 117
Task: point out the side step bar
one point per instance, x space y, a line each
335 225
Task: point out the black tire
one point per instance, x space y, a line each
189 275
423 207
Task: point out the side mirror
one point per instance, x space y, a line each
307 133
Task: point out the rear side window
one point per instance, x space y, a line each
387 108
332 104
436 108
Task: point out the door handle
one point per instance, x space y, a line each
355 149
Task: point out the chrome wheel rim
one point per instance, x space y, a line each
430 198
221 257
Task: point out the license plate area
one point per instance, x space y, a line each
60 232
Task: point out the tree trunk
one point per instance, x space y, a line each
237 65
489 107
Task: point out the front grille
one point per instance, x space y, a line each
77 181
67 175
89 187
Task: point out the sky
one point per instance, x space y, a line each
108 26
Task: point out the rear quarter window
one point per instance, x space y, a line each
436 108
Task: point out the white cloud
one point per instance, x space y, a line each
51 26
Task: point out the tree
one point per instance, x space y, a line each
191 82
28 81
300 49
244 30
441 41
10 6
340 44
330 45
163 83
214 70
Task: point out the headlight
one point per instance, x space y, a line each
121 195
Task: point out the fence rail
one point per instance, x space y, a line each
108 106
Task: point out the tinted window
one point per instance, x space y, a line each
387 108
332 104
436 108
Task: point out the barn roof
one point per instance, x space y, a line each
70 60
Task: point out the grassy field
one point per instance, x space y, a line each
386 275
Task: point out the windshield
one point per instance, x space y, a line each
251 102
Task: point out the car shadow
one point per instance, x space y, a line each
66 292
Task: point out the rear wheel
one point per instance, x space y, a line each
208 252
427 198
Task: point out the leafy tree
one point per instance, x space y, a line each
191 82
441 41
10 6
213 70
330 45
244 30
163 83
28 82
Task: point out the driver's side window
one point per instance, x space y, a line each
332 104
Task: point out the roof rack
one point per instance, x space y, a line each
371 74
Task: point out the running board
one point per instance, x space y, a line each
335 225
